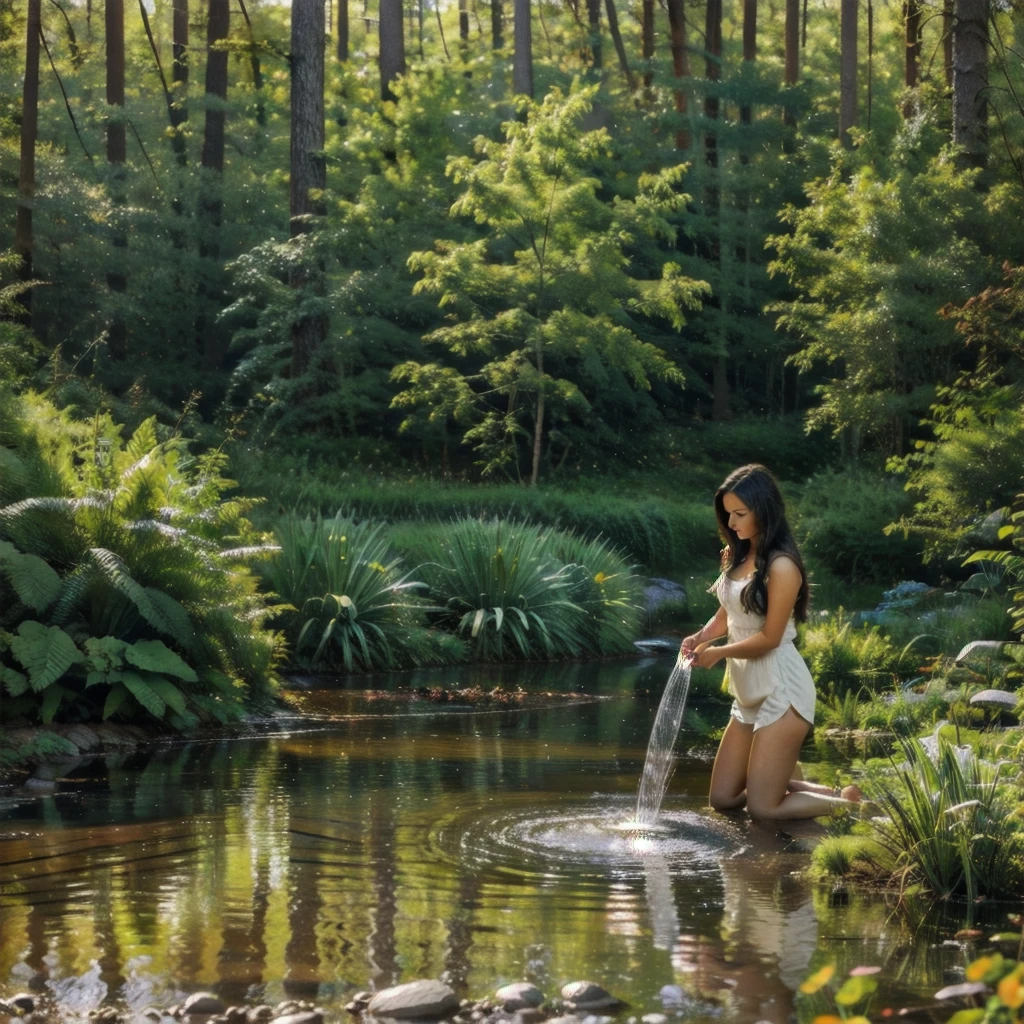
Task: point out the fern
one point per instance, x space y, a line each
46 653
35 583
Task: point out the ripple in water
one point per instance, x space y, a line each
580 841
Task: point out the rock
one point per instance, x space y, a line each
654 1018
305 1017
202 1004
998 699
658 591
520 995
22 1002
83 737
528 1015
152 1013
354 1008
257 1014
980 650
174 1011
362 997
672 995
585 995
564 1020
425 999
287 1008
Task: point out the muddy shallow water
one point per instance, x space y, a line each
401 839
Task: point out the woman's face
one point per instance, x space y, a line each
742 520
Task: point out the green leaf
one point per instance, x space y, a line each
144 693
13 680
967 1016
108 651
854 990
117 696
35 582
47 653
169 694
156 656
52 697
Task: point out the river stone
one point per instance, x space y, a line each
529 1015
203 1004
259 1013
570 1019
520 995
425 999
585 995
654 1018
22 1002
658 591
672 995
306 1017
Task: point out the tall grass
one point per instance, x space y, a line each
951 824
842 658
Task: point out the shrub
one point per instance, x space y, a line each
840 519
130 592
348 600
842 658
781 443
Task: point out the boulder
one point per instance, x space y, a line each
203 1004
586 995
658 591
424 1000
520 995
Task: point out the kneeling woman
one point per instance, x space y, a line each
763 593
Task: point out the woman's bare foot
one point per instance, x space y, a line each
851 793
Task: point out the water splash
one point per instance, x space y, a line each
660 756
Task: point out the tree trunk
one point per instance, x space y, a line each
464 21
497 25
392 46
749 47
177 138
342 30
620 49
257 72
647 35
308 166
116 156
970 80
522 59
680 66
792 72
216 90
538 425
594 20
912 26
947 41
713 72
27 166
179 51
847 69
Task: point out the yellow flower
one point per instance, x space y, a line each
818 980
600 578
377 566
829 1018
978 970
1011 990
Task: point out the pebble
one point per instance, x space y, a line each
203 1004
415 1000
259 1013
305 1017
654 1018
586 995
23 1002
520 995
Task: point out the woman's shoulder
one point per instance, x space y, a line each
783 566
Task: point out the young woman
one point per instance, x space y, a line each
763 594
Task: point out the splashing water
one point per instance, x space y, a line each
660 757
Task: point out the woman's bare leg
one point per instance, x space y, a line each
851 792
729 774
773 754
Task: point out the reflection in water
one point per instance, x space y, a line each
477 847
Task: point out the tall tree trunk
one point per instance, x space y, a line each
947 41
749 46
392 46
713 72
497 25
792 73
522 59
620 49
538 423
871 56
308 166
680 66
464 21
116 156
257 71
343 30
210 199
594 20
647 35
177 138
27 166
847 69
970 80
179 63
912 31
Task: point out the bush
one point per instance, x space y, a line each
348 601
842 658
129 587
840 520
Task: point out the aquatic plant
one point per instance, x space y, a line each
950 824
506 592
348 600
130 545
842 658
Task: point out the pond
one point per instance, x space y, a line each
394 838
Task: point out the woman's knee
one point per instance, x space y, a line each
724 802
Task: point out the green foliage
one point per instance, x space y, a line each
547 308
348 602
1010 563
844 659
840 522
127 572
951 823
838 856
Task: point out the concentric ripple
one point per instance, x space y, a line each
580 840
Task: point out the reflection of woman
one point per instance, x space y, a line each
763 594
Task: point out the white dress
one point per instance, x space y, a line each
764 688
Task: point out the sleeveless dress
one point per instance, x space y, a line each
764 688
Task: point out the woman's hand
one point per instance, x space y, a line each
689 644
707 656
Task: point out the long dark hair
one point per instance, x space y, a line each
755 486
